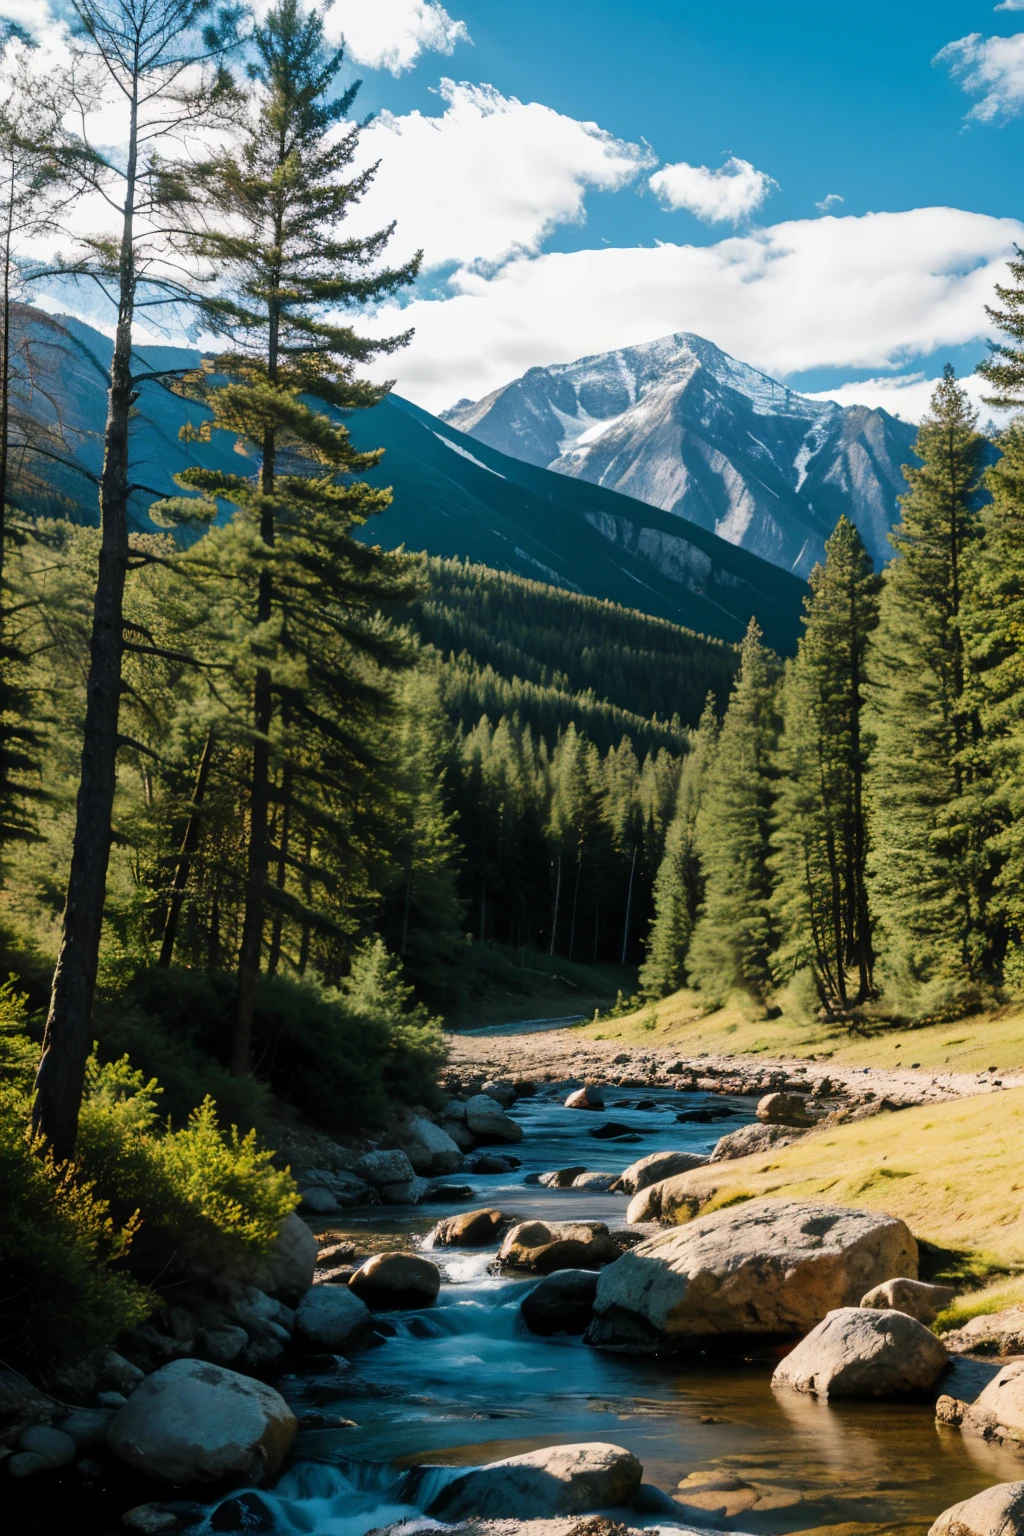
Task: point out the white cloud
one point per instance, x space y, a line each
907 394
489 178
828 203
858 293
730 193
1011 5
989 67
389 34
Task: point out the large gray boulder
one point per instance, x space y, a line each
997 1413
558 1480
750 1139
430 1150
544 1246
914 1297
864 1352
657 1166
287 1270
393 1176
471 1229
330 1317
489 1122
764 1267
562 1303
191 1422
396 1280
998 1511
784 1109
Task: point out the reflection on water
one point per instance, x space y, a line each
463 1382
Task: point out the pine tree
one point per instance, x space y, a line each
928 880
733 940
820 837
278 204
679 885
1004 368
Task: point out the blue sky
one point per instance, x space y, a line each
583 175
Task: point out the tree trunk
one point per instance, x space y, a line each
629 905
558 897
274 955
189 844
68 1036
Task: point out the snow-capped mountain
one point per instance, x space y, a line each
679 424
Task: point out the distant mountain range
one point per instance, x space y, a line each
679 424
456 495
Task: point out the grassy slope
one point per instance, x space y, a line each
967 1045
952 1171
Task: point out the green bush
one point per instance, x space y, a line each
63 1285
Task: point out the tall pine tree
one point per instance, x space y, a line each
734 937
928 877
820 837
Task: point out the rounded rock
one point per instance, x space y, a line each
544 1246
472 1229
914 1297
330 1317
588 1097
557 1480
563 1302
392 1281
55 1446
864 1352
998 1511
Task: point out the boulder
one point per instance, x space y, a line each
501 1091
459 1132
614 1130
488 1121
56 1447
430 1150
544 1246
750 1139
864 1352
287 1270
995 1333
657 1166
558 1480
914 1297
472 1229
784 1109
384 1168
589 1097
331 1317
593 1180
191 1422
670 1200
88 1428
998 1511
561 1303
494 1162
763 1267
394 1280
997 1414
326 1193
560 1178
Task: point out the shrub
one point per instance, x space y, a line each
63 1287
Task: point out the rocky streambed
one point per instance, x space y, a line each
436 1366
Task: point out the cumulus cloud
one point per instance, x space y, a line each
858 293
729 193
1011 5
388 34
989 67
489 178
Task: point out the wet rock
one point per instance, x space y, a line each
997 1414
488 1121
593 1180
709 1116
784 1109
561 1178
560 1480
494 1162
998 1511
864 1352
27 1464
750 1139
544 1246
331 1317
996 1333
614 1130
340 1274
472 1229
151 1520
191 1422
55 1446
243 1513
430 1150
657 1166
589 1097
914 1297
764 1267
725 1494
88 1428
396 1280
525 1087
561 1303
501 1091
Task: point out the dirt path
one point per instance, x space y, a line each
551 1052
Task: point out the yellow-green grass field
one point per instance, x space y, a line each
954 1171
973 1044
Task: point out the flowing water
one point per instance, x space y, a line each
463 1382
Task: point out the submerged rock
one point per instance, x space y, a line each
191 1422
998 1511
765 1267
560 1178
562 1303
657 1166
864 1352
914 1297
396 1280
558 1480
544 1246
997 1413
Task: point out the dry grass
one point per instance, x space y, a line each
739 1029
953 1171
